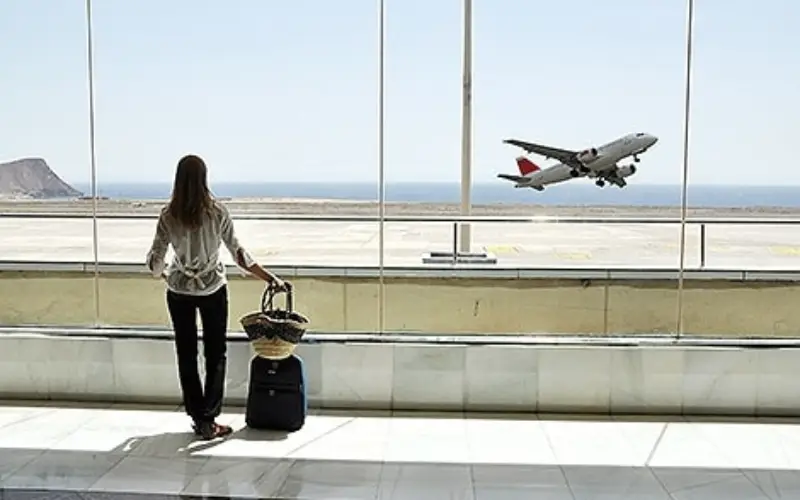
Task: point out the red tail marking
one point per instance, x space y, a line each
526 166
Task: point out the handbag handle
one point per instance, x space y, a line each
268 297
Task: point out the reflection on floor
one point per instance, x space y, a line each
113 451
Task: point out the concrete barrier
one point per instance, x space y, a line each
619 303
401 374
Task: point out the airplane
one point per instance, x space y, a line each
599 163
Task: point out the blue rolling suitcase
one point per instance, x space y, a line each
276 398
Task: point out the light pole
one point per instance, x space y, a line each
685 181
466 130
381 163
93 157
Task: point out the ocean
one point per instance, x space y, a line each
699 196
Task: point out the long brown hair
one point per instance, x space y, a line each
191 198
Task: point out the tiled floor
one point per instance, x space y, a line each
113 450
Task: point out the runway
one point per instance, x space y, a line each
533 245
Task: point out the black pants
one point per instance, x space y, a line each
201 404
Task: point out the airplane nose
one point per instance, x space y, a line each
651 139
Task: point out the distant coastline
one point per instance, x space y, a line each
574 195
336 208
427 199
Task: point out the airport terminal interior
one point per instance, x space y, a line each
579 308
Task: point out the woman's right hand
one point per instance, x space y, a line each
278 284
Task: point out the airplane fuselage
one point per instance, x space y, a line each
609 154
550 175
600 163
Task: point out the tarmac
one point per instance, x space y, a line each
533 245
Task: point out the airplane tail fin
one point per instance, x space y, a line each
526 166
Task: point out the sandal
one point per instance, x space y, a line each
211 430
223 430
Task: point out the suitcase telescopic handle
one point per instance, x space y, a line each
268 297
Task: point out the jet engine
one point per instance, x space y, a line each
587 155
626 171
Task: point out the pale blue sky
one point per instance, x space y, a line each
272 90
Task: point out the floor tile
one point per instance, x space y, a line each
331 481
704 484
614 483
360 439
43 430
239 477
13 460
685 445
521 442
62 470
776 484
439 440
150 475
520 482
426 482
749 446
13 414
598 443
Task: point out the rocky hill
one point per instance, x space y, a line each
33 178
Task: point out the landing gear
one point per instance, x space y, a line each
576 172
636 159
600 182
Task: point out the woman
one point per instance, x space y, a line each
195 224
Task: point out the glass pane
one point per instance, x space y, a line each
280 101
744 121
599 99
47 261
423 107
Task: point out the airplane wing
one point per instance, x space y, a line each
563 155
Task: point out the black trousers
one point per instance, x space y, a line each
202 403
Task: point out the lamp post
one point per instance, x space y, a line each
93 157
381 163
685 181
466 130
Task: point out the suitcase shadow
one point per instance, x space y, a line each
251 434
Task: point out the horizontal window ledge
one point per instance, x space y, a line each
441 271
532 339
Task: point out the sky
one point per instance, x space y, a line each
277 91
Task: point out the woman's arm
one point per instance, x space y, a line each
256 269
242 258
158 249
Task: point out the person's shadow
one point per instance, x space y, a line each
187 444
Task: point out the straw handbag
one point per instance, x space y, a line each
274 333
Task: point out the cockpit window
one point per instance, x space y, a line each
640 134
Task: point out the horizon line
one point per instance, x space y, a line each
449 183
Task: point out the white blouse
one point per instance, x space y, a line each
196 268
